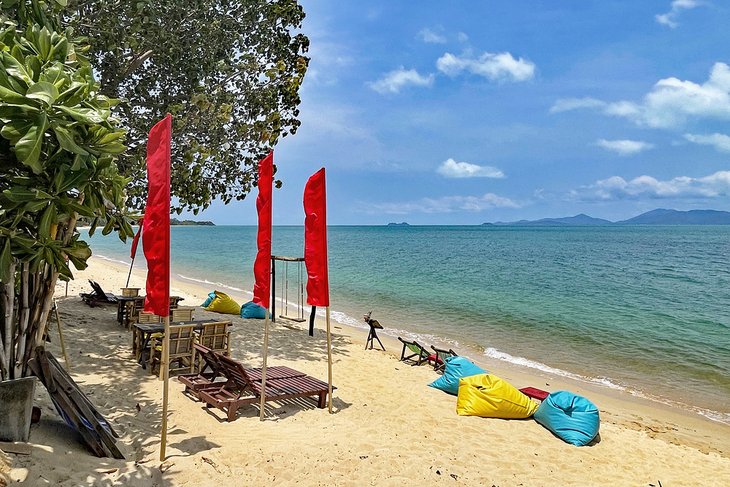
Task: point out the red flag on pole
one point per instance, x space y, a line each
156 234
135 240
315 240
262 265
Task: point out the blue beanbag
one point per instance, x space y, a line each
572 418
456 368
253 310
211 297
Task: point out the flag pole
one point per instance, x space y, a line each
329 361
130 272
165 376
263 370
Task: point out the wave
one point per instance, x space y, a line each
109 259
214 283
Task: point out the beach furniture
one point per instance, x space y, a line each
216 336
572 418
181 313
145 317
182 352
488 396
455 369
208 370
418 353
438 358
534 393
143 334
97 295
243 387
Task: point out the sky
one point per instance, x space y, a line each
465 112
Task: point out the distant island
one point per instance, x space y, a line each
401 224
175 221
659 216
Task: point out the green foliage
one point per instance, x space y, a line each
58 144
228 70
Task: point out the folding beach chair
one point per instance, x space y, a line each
438 358
418 355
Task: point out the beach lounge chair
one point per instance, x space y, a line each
216 337
418 355
244 387
97 295
209 370
182 352
438 358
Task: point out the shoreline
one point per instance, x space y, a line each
496 359
388 426
604 397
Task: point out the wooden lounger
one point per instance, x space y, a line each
241 388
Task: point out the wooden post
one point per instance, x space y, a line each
329 361
130 272
60 336
263 369
165 365
311 321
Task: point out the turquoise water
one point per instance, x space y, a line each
638 308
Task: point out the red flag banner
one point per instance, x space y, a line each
156 225
315 240
262 265
135 240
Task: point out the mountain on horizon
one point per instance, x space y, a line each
660 216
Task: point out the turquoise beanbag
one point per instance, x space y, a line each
211 297
456 368
572 418
253 310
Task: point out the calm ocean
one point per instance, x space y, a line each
646 309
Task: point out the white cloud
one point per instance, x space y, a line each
670 103
393 81
624 147
446 204
453 169
496 67
720 142
430 37
462 37
670 18
646 187
567 104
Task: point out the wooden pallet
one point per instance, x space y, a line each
74 407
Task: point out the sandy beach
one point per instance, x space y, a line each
388 427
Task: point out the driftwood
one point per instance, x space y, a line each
74 407
15 447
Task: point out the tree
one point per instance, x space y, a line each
58 148
228 70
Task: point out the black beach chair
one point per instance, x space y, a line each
98 295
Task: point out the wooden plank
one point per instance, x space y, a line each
15 447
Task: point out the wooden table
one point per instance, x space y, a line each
124 308
142 333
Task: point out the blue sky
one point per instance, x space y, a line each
464 112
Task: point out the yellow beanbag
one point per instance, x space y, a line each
222 303
488 396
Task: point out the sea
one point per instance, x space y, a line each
643 309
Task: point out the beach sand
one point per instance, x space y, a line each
388 427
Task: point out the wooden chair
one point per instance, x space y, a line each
438 358
180 313
209 369
182 351
242 388
216 336
418 355
145 317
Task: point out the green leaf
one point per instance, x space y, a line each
28 148
47 219
43 91
15 68
14 130
66 140
6 260
11 96
44 43
85 115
